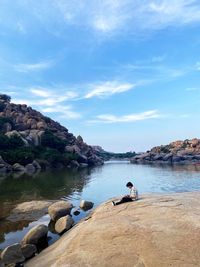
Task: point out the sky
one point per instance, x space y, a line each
124 74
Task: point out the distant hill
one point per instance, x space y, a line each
27 135
187 151
105 155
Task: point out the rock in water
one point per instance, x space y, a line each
76 212
28 250
12 254
64 224
18 167
86 205
59 209
36 235
30 168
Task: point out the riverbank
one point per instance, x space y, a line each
156 231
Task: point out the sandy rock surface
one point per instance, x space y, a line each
155 231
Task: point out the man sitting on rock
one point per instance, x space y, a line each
128 198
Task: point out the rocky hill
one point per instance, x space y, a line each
26 135
187 151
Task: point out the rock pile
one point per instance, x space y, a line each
37 237
187 151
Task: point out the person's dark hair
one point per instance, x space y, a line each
129 184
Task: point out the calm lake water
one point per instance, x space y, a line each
96 185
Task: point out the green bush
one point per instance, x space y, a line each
53 156
50 140
21 155
4 120
10 143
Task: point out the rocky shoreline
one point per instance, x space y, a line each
158 230
179 152
36 239
155 231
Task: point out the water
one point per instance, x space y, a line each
97 185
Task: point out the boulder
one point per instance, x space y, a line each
86 205
74 164
73 149
64 224
13 133
59 209
41 125
36 235
18 167
12 254
76 212
30 168
83 165
28 250
177 159
36 165
29 211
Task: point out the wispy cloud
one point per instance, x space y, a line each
64 111
108 118
50 97
113 16
48 101
108 88
42 65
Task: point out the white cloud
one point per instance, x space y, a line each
40 92
108 118
50 98
108 88
25 68
64 111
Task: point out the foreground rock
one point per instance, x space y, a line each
183 152
28 250
30 210
12 254
59 209
156 231
36 235
64 224
86 205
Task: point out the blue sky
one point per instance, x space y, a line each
125 74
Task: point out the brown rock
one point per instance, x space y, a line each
28 250
36 235
12 254
59 209
64 224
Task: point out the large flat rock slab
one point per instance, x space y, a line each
155 231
